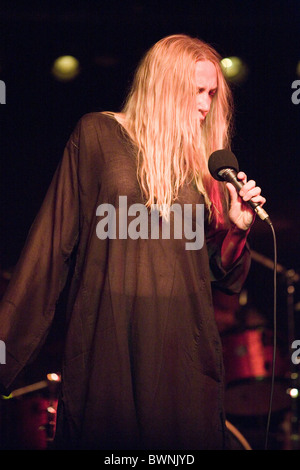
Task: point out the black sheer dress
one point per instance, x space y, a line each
142 365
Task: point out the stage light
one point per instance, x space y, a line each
298 69
243 297
65 68
293 392
235 70
53 377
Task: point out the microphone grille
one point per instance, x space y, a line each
221 159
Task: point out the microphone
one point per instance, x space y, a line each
223 166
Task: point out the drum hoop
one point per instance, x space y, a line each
238 435
257 380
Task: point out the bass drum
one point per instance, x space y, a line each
28 416
248 362
236 440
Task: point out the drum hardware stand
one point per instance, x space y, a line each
53 381
291 278
294 391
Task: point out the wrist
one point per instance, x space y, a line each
237 231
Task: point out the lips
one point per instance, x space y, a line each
202 115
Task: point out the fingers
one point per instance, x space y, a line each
248 191
232 191
242 177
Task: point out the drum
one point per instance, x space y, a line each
248 361
25 421
28 416
237 440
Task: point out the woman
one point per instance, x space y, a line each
142 366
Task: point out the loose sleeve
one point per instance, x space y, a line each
28 306
229 281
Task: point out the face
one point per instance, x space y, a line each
207 84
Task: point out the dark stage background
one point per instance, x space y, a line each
108 38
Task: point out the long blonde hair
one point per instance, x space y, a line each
173 146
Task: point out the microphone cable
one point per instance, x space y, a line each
223 166
274 337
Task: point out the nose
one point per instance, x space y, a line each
204 102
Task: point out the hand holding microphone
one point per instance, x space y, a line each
224 166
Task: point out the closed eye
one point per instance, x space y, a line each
211 92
